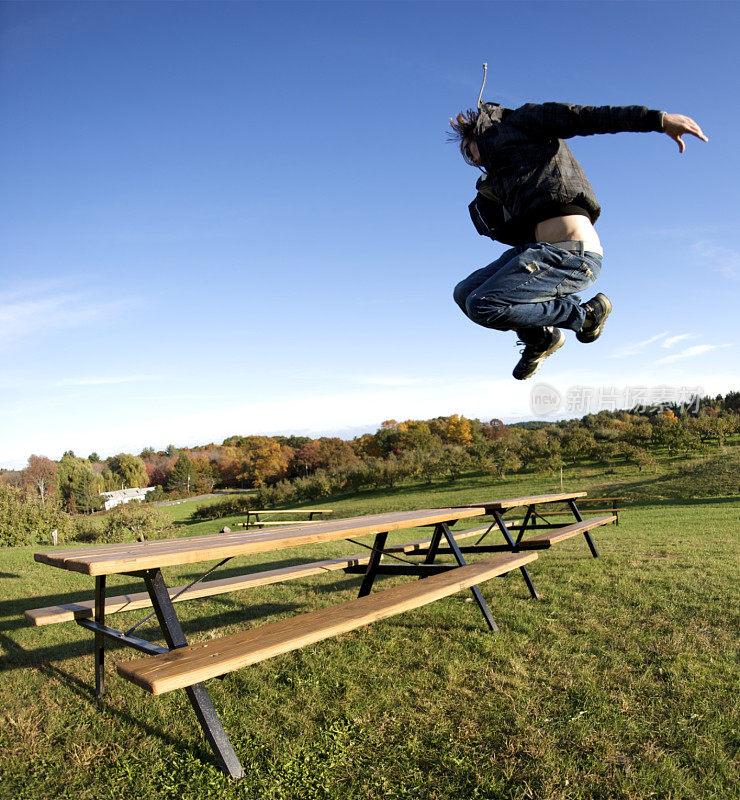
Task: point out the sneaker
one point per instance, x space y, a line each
597 310
534 354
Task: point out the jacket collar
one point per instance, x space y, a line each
489 116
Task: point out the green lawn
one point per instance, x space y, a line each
620 683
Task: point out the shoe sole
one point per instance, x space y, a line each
545 355
594 334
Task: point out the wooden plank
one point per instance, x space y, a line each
547 513
514 502
548 538
83 609
171 552
188 665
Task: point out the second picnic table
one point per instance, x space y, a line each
256 514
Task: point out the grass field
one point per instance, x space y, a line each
620 683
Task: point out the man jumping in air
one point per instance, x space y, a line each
535 196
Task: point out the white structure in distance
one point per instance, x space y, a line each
113 499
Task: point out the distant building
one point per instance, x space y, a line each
113 499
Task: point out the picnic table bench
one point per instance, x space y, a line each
179 665
592 505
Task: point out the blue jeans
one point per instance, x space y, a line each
528 288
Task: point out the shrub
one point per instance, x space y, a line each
28 519
318 485
86 528
132 521
226 507
157 496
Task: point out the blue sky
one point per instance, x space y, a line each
244 217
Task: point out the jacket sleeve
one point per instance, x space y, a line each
564 120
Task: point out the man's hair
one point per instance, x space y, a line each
463 130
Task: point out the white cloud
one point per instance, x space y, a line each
39 309
721 259
386 380
106 381
168 397
690 352
637 347
671 340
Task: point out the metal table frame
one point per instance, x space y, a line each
511 545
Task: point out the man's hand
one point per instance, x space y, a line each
676 124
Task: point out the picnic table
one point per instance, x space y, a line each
179 665
188 666
256 514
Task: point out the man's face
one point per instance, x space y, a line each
471 148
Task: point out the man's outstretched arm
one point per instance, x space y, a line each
564 120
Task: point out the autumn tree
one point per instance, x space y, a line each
366 446
458 431
230 466
668 431
417 435
268 463
159 468
205 475
331 454
39 475
389 438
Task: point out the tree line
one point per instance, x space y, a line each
294 468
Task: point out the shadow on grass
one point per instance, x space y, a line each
647 500
87 693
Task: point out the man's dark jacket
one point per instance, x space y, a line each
531 173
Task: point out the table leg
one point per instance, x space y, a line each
197 693
525 522
375 556
99 637
512 544
579 518
434 545
482 605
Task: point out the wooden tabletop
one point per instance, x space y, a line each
132 556
515 502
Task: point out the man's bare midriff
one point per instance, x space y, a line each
571 227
